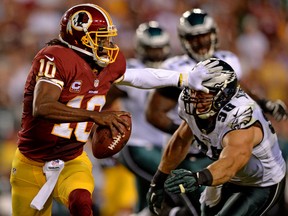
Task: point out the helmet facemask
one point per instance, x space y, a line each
193 50
199 103
104 51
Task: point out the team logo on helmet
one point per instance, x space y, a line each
79 21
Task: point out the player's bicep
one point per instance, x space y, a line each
238 145
44 92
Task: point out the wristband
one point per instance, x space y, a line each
159 178
262 103
183 80
205 177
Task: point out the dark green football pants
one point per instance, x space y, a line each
245 201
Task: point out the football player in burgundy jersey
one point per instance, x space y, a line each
64 93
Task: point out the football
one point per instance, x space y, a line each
104 146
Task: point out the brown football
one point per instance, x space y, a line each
104 146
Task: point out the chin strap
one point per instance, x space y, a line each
76 48
100 63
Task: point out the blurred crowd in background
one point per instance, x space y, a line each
256 30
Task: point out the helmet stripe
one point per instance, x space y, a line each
105 14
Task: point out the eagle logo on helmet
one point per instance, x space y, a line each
80 21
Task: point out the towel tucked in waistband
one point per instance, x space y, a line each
52 170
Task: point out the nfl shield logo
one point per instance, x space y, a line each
96 83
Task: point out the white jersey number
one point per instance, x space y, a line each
64 130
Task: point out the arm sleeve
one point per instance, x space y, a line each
148 78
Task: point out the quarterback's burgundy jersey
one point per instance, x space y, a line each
42 140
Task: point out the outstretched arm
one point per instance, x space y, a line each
237 150
148 78
174 153
176 149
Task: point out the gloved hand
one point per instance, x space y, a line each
181 181
202 71
276 108
154 198
155 194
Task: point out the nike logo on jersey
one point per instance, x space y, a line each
49 58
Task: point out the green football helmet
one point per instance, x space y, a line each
198 34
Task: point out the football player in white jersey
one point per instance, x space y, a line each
247 176
198 35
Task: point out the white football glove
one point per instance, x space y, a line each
202 71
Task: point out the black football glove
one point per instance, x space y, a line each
181 181
154 198
155 194
276 108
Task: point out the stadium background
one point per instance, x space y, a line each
256 30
